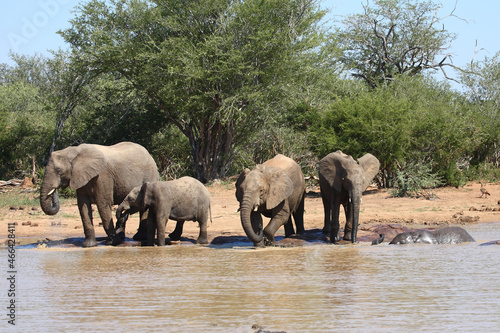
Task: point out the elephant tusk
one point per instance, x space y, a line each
51 191
256 208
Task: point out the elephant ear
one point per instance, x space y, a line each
280 186
144 200
88 163
333 167
371 166
239 190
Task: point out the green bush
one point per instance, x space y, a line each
414 177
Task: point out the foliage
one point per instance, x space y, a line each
394 37
481 81
25 125
217 69
415 118
412 178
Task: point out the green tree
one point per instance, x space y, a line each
481 81
394 37
413 121
25 120
218 69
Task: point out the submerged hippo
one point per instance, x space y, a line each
448 235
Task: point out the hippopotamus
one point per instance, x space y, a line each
448 235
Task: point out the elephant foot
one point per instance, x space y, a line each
174 237
118 238
202 241
347 236
89 242
259 244
268 241
139 236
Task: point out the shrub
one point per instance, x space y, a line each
414 177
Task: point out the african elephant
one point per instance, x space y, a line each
101 175
183 199
342 181
276 190
447 235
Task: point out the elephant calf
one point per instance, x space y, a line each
448 235
183 199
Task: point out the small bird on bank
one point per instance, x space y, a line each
484 191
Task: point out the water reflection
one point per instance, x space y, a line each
315 289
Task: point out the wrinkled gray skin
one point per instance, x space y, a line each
131 205
183 199
276 190
101 175
448 235
342 181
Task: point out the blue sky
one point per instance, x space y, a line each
30 26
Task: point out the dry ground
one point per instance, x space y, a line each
448 206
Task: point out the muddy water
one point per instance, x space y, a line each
315 288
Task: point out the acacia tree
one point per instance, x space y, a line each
395 37
218 69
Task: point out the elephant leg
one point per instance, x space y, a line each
327 209
298 217
176 234
276 222
150 226
142 231
85 209
161 222
335 231
348 223
289 230
203 236
203 223
107 222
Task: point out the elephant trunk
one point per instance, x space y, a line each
356 205
245 213
49 198
122 214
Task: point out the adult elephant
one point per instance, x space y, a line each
101 175
342 181
447 235
276 190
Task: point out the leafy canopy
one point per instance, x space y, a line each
219 69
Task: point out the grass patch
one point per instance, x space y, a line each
15 198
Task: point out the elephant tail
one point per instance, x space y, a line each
210 212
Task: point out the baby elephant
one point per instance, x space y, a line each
183 199
448 235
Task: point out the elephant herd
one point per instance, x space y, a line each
126 174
